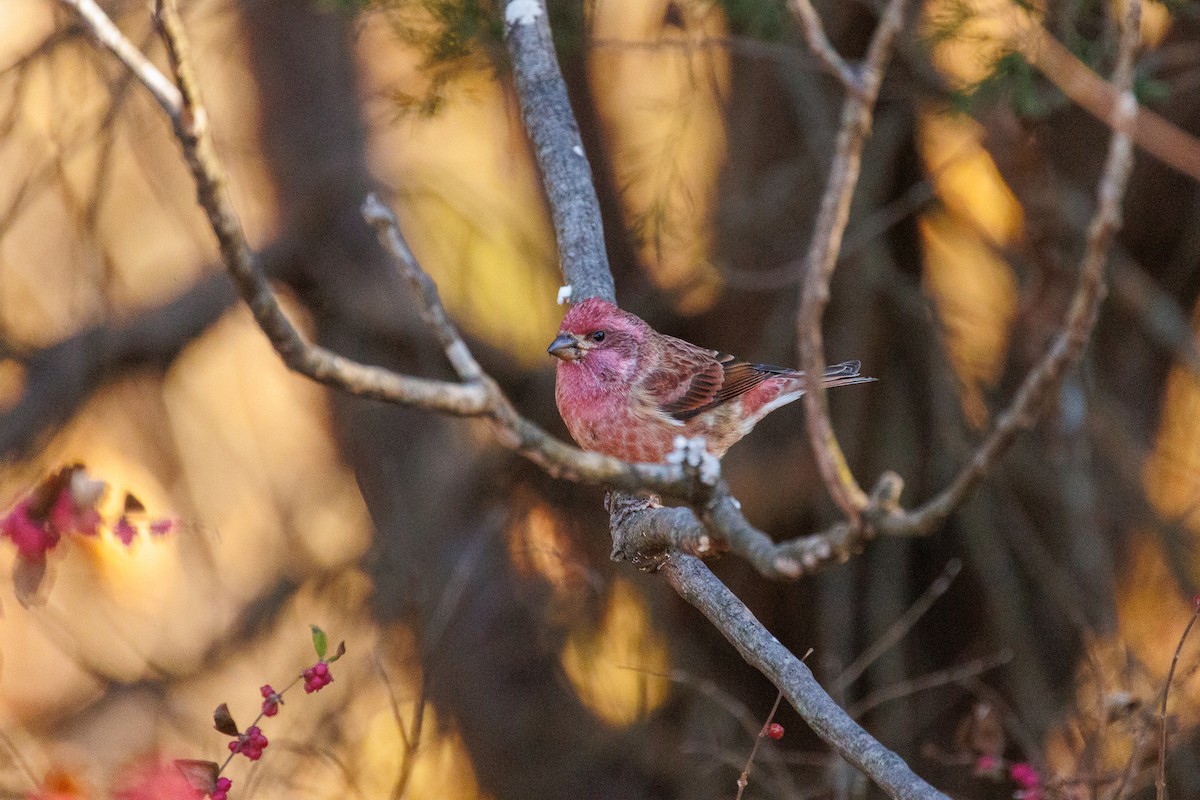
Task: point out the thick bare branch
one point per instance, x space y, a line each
696 584
822 256
566 174
59 378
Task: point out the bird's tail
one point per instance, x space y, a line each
844 374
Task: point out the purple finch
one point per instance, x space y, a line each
628 391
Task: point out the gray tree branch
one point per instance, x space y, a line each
695 583
566 173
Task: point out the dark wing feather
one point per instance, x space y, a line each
694 380
688 377
704 379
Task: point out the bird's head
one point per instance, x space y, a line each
598 335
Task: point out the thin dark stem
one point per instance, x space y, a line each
1160 783
900 628
744 779
933 680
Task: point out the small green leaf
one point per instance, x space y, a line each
223 721
320 641
341 651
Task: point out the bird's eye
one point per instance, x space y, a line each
598 336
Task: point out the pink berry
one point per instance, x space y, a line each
224 784
124 531
320 669
87 523
250 744
1025 775
62 514
775 731
31 537
270 705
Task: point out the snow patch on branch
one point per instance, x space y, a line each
564 294
522 12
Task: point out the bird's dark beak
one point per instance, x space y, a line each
565 347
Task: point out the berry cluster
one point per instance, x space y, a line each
316 677
62 504
271 701
66 503
250 744
221 789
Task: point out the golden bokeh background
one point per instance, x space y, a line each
97 224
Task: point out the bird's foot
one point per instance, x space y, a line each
692 454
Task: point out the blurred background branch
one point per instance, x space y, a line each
499 613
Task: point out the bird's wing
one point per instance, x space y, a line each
691 380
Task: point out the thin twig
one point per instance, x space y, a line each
781 52
738 710
1160 783
1153 133
822 256
1140 741
744 779
1081 318
900 628
818 42
409 762
19 761
109 35
380 217
410 738
931 681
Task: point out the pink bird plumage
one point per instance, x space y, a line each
628 391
